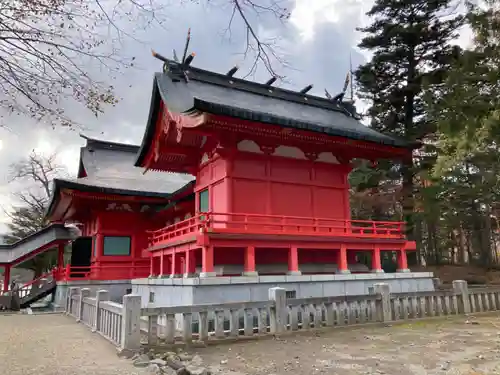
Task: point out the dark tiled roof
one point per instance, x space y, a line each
108 167
222 95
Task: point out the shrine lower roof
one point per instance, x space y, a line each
108 168
110 165
188 90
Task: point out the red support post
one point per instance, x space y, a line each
155 265
68 272
293 261
342 260
207 261
6 278
152 266
60 256
99 246
402 261
182 265
164 270
249 268
190 263
376 263
173 265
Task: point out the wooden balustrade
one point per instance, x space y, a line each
273 224
102 272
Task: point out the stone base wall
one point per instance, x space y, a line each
166 292
116 288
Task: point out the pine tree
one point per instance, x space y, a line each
466 107
410 43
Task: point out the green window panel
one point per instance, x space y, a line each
117 246
203 205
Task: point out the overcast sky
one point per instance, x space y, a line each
316 44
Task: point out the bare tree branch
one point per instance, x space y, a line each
264 50
49 49
34 174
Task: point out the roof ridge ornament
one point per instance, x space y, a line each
175 68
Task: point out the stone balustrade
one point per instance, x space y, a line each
129 326
118 323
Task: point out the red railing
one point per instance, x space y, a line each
273 224
103 272
26 289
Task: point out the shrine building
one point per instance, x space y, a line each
113 205
271 194
237 186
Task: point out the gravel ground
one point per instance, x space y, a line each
52 344
442 347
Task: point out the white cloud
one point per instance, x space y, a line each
308 15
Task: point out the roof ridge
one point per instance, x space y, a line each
188 72
108 145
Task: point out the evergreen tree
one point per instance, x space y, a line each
410 43
465 109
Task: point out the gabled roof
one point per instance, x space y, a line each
108 167
186 89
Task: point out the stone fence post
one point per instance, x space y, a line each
279 312
131 322
102 295
72 291
383 305
461 289
84 292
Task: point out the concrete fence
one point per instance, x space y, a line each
127 324
118 323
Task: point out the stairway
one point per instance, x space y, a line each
29 293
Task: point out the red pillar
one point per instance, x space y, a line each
60 256
99 246
402 261
173 265
182 265
342 260
249 268
207 261
152 271
293 261
190 263
376 264
6 278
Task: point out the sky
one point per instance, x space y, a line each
316 44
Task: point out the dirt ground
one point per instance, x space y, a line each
51 344
472 274
442 347
56 345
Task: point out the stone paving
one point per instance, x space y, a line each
53 344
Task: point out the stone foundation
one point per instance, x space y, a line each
164 292
116 288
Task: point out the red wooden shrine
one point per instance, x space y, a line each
114 206
271 165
